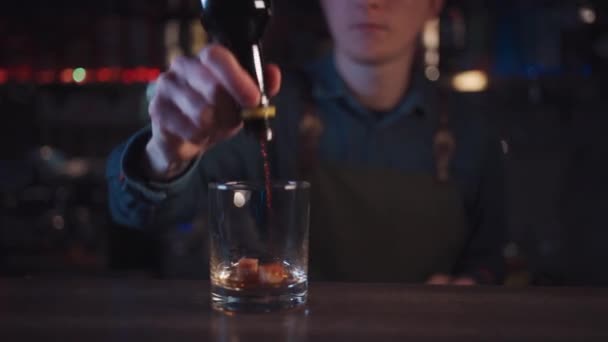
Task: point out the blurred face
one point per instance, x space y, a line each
376 31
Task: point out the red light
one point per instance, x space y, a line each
23 73
141 74
153 74
116 73
3 76
45 76
104 75
129 76
66 75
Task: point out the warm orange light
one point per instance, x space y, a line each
470 81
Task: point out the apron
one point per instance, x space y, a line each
373 225
383 226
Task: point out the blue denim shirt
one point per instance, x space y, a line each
353 136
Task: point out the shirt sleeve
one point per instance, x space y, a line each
136 202
483 257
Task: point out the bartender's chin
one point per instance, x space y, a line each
371 57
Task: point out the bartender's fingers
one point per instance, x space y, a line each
188 101
197 76
171 122
439 279
219 111
224 66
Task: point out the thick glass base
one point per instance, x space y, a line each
259 300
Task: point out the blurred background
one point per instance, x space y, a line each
75 76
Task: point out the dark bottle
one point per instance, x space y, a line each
239 25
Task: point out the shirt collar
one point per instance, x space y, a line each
327 84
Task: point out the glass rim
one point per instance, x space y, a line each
259 185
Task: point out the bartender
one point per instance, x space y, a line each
407 185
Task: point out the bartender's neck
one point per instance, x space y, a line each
377 86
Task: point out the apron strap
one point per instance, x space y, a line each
444 142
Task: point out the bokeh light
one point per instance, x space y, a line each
79 75
470 81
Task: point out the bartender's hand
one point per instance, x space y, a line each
444 279
196 105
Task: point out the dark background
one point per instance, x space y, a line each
546 61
